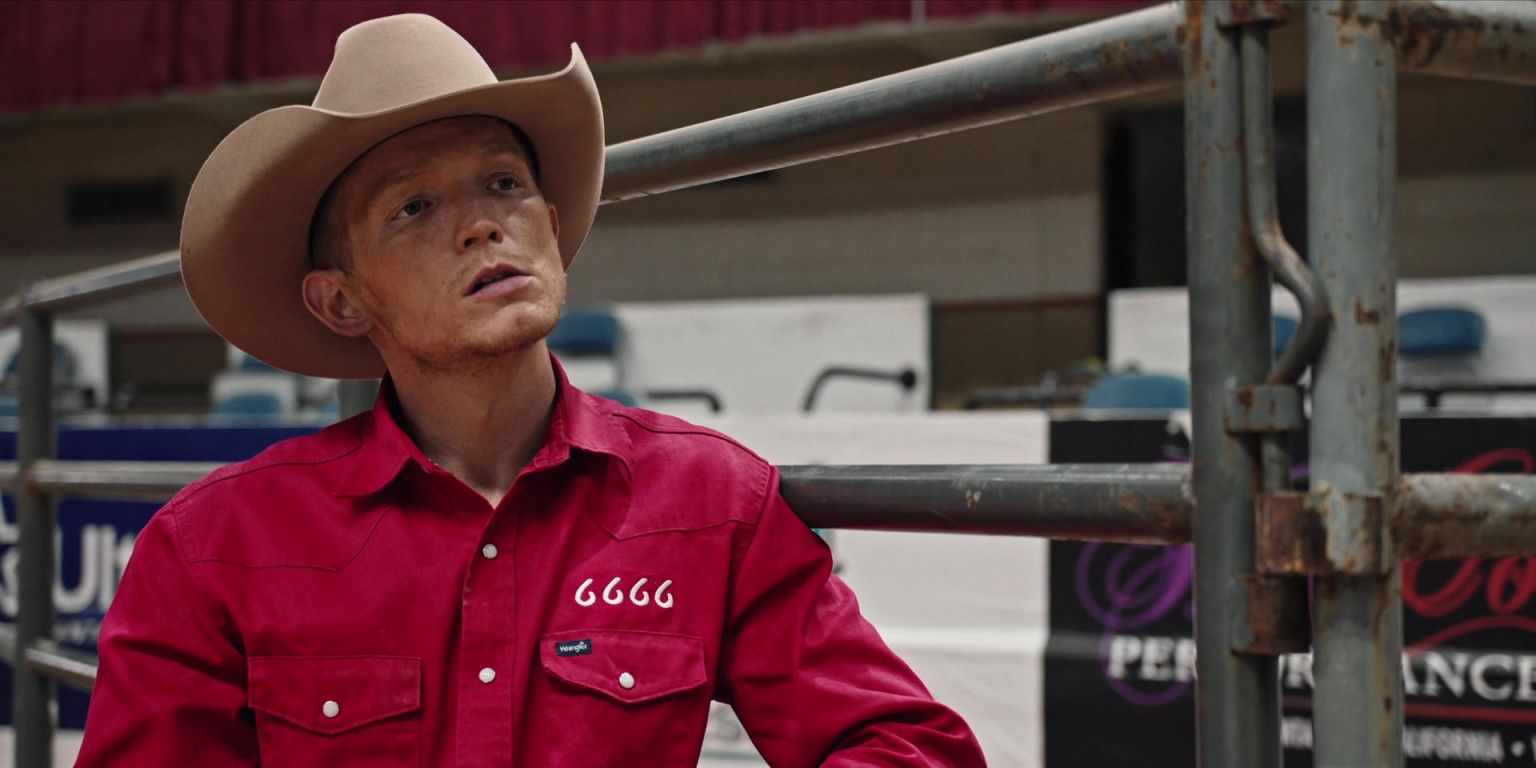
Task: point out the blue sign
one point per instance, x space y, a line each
95 537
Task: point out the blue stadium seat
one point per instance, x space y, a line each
1285 330
1150 391
585 332
1440 331
8 406
65 367
261 404
619 396
329 410
248 363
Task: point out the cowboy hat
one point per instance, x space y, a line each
245 232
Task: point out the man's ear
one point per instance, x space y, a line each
326 298
554 220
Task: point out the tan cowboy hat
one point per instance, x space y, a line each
245 233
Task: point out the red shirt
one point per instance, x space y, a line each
339 600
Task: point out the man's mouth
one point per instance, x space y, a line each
491 276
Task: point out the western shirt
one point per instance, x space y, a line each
339 600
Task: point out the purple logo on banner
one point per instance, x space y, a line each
1133 588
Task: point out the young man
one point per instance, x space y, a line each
492 567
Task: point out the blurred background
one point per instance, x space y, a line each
1033 266
1017 235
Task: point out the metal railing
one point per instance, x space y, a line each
1253 548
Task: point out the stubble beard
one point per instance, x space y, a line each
469 356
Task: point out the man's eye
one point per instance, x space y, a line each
413 207
506 184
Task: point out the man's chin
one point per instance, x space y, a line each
471 356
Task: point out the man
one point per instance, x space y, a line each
492 567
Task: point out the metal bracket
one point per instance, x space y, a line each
1240 12
1274 618
1264 409
1322 533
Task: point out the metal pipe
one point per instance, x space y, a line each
906 378
1351 176
1237 702
1465 515
32 694
1264 216
46 658
140 480
1135 502
1119 56
77 670
1475 39
1436 515
1142 503
93 286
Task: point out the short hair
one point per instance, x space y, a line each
328 245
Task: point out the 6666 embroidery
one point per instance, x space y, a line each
615 594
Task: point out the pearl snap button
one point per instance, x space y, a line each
626 680
489 551
330 709
487 675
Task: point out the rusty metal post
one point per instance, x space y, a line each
32 696
1237 695
1351 175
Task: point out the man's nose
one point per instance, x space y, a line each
483 230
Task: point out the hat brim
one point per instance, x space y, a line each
245 231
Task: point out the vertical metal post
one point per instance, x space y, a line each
1237 696
1351 176
33 694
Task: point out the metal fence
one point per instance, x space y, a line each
1257 544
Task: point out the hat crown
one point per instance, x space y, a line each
397 60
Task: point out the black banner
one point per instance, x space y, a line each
1120 670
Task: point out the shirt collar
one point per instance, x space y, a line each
579 420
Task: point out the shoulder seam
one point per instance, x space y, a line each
688 429
240 469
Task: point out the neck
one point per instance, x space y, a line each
482 425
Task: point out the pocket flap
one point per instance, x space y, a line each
625 665
331 694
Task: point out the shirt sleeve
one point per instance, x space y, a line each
170 688
810 679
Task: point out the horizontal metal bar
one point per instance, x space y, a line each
1477 39
1116 502
1112 502
48 659
142 480
1118 56
1437 515
96 285
1445 515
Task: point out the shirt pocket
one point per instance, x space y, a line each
336 710
608 695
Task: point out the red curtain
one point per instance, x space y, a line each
94 51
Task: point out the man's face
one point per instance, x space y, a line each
454 260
